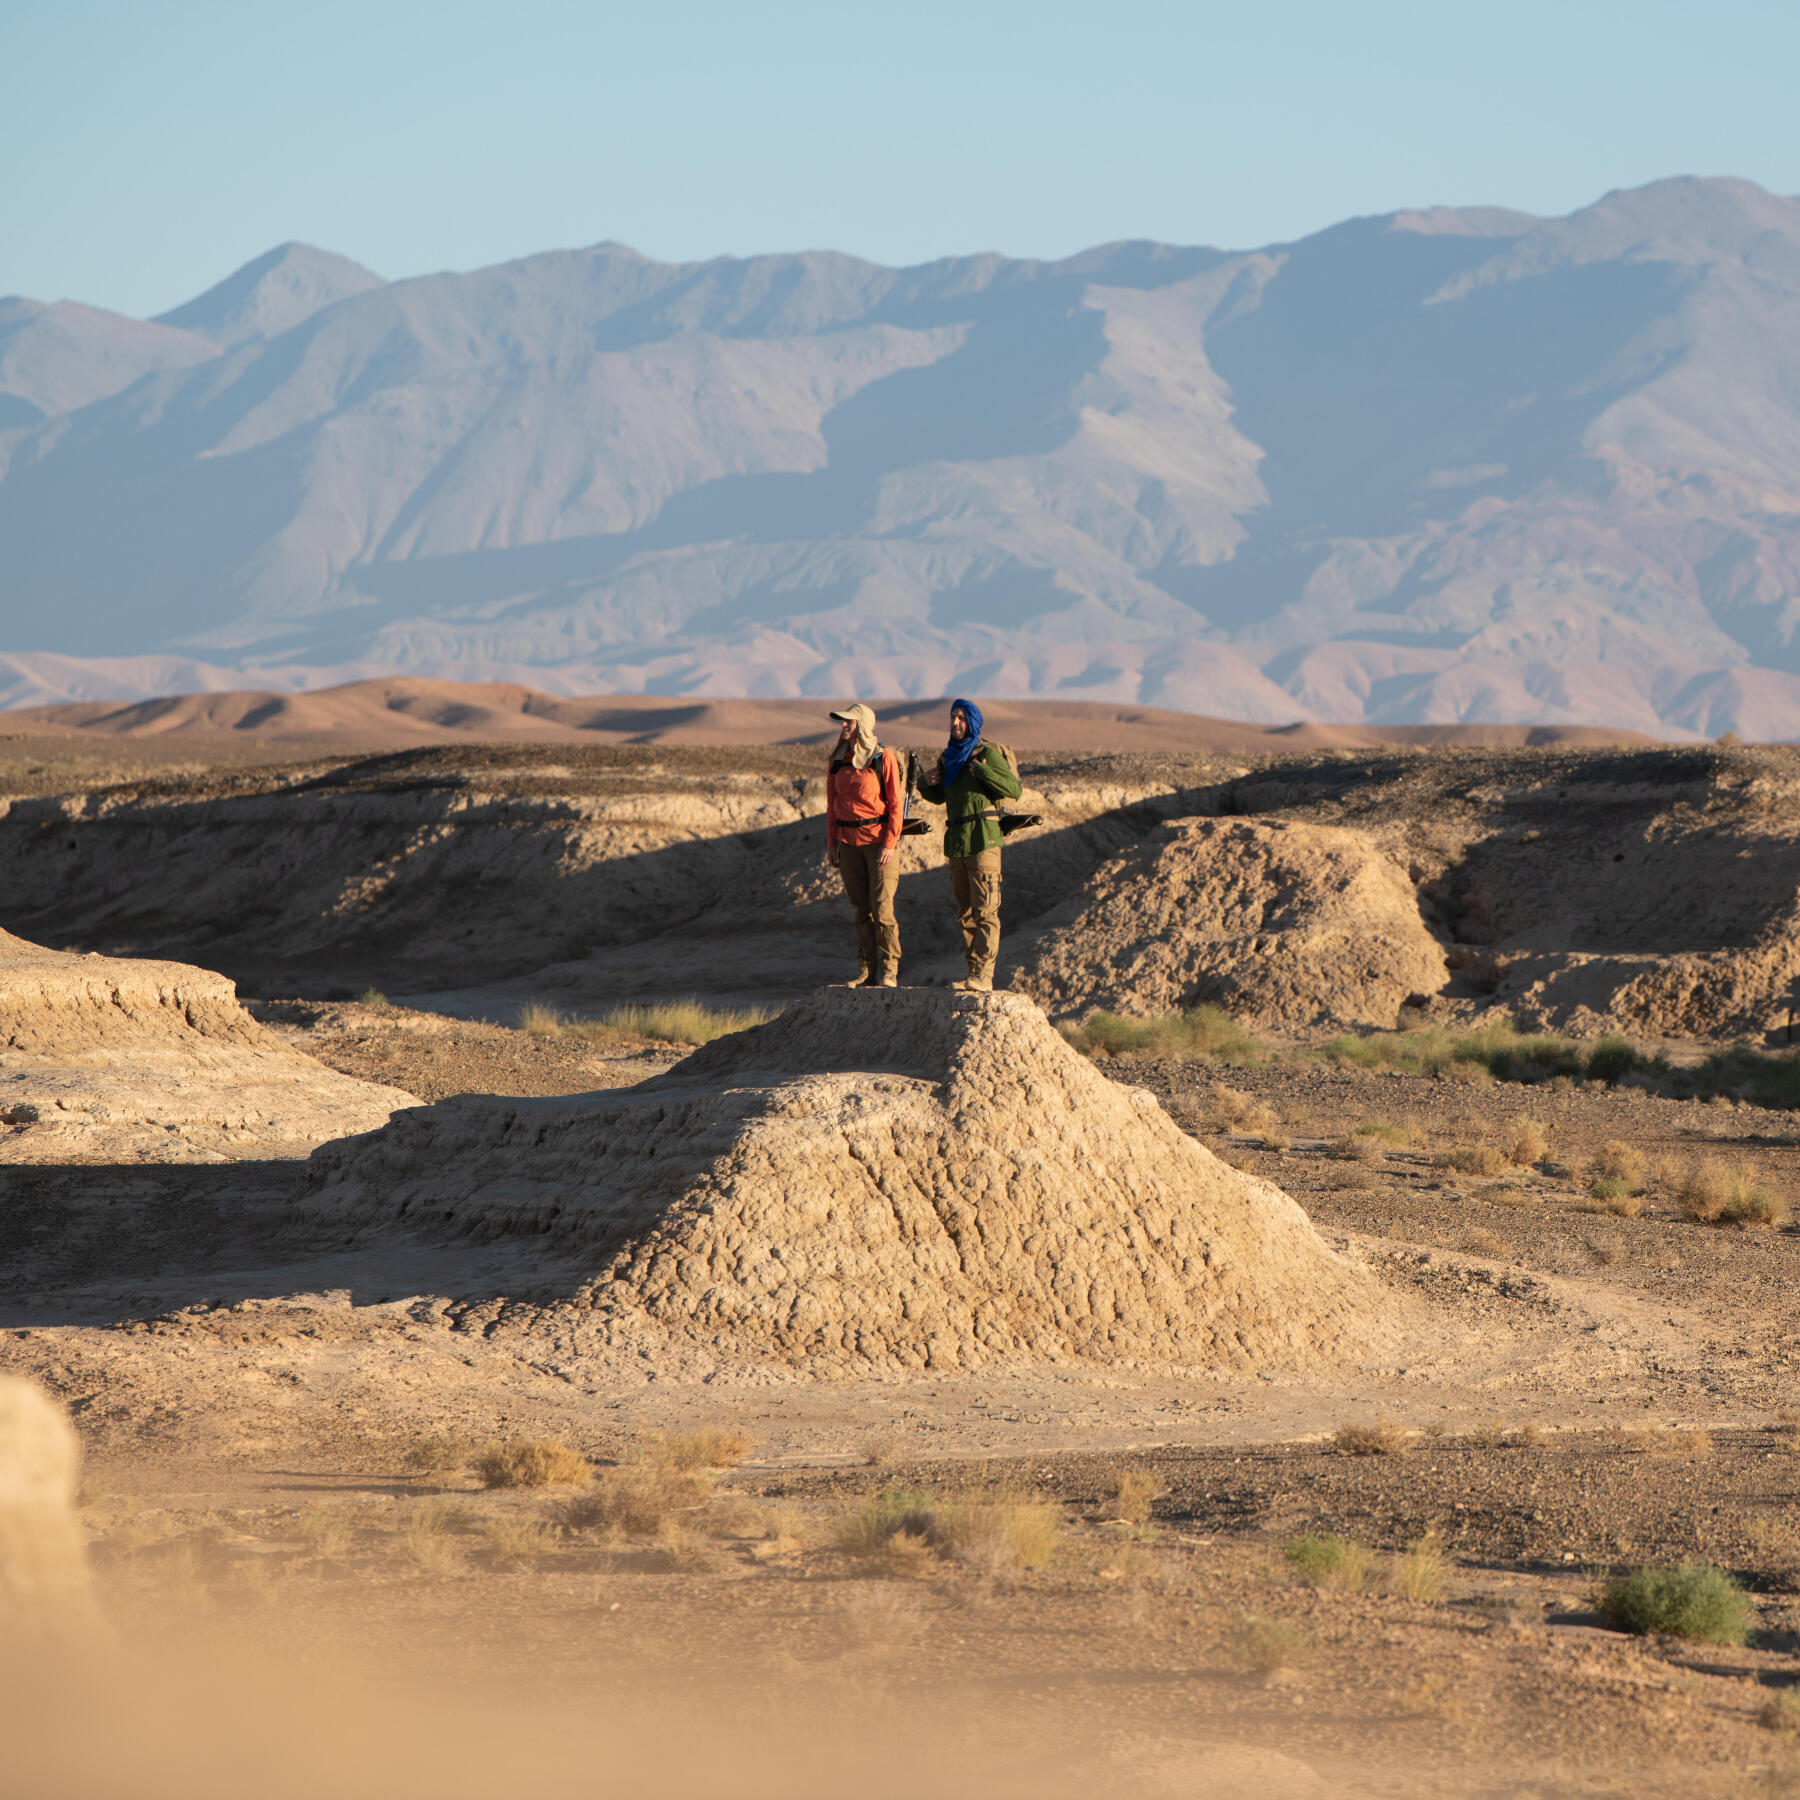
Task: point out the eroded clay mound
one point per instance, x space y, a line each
105 1056
901 1179
1280 923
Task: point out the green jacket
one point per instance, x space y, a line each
984 781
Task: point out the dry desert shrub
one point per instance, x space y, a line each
1711 1191
532 1462
429 1534
372 997
441 1453
1476 1159
1333 1562
1419 1574
1378 1437
998 1533
993 1532
1259 1646
638 1499
1784 1428
880 1615
1530 1144
514 1541
1686 1445
1614 1194
1781 1712
1617 1160
1134 1492
705 1449
327 1535
1471 1074
1233 1110
1484 1243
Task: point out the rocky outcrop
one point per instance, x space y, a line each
1283 924
111 1058
893 1180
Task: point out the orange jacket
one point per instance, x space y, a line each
865 806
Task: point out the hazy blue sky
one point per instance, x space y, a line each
158 144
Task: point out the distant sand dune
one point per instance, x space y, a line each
404 711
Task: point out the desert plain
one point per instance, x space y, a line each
530 1327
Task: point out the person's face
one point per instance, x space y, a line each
959 724
848 732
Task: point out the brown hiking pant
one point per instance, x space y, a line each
975 881
870 890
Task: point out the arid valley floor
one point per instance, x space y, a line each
870 1493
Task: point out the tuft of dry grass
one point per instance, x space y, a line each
537 1020
1781 1712
1259 1646
513 1541
1618 1161
1419 1574
1202 1032
429 1533
1475 1159
532 1462
670 1022
1233 1110
1334 1562
1134 1492
995 1532
327 1535
1687 1445
1378 1437
880 1615
1484 1243
1529 1145
1712 1191
639 1499
1614 1194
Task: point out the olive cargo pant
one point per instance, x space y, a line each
975 881
870 890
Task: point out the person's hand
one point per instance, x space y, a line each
886 857
831 854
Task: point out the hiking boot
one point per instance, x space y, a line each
976 984
890 979
865 978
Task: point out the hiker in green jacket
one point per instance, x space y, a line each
968 780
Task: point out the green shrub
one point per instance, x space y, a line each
1692 1601
1610 1059
1206 1033
1328 1561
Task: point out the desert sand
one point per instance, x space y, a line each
949 1385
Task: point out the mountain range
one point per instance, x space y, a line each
1441 465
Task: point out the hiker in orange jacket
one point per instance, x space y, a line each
865 806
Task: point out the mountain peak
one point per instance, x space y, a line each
271 294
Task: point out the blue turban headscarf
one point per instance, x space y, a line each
956 756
